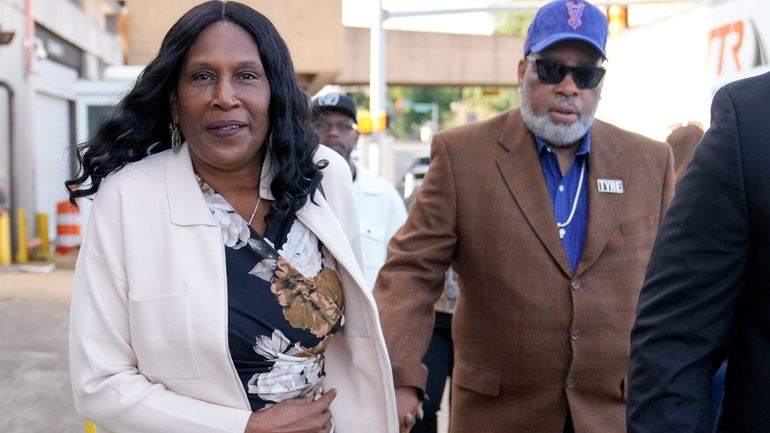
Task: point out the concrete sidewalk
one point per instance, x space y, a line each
35 395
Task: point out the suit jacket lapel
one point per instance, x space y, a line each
523 175
604 208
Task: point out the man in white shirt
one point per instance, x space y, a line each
381 210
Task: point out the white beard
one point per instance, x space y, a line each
557 134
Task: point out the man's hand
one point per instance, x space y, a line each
409 407
299 415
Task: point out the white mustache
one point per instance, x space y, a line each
565 103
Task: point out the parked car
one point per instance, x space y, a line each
413 178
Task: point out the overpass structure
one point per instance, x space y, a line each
327 52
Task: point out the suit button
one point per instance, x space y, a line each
570 383
575 285
575 335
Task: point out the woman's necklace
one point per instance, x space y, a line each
254 212
560 226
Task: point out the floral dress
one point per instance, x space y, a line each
285 305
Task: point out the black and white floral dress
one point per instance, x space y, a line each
285 304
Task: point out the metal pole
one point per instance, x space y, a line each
434 116
30 42
377 80
377 71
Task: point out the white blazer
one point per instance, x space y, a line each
148 326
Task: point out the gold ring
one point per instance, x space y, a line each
408 419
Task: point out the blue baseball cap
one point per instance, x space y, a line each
563 20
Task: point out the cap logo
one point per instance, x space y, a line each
329 99
575 11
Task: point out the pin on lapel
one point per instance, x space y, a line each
614 186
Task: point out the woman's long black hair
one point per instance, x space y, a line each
139 125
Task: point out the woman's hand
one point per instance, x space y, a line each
299 415
409 408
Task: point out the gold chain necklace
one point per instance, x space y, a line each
259 199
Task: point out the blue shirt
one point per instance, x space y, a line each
563 191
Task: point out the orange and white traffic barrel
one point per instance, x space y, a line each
67 228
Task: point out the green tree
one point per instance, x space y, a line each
512 23
457 105
479 103
405 121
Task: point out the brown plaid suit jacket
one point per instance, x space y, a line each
531 337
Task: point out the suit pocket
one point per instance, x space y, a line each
160 336
476 378
623 389
640 225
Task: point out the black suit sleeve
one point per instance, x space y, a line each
696 270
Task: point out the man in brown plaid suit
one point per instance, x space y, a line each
548 217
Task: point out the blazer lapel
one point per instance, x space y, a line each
320 219
523 175
604 208
185 202
188 207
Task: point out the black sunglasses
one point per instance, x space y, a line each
552 72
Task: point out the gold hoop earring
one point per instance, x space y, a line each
176 136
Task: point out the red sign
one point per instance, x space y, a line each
720 35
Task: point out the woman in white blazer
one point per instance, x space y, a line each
218 288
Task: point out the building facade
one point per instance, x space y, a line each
54 44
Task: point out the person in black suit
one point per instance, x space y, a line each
706 294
